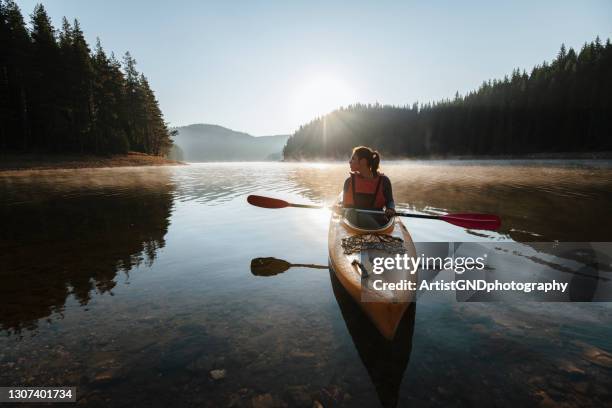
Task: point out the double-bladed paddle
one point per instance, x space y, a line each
465 220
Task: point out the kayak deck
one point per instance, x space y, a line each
385 308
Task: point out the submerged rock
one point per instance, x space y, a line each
262 401
104 377
217 374
266 401
598 356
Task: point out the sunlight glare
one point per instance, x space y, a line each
320 95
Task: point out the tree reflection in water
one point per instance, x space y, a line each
59 240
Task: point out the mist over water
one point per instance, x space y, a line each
133 284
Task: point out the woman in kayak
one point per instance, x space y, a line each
366 188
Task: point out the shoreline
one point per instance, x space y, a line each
15 162
12 162
605 155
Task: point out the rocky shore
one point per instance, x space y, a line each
31 161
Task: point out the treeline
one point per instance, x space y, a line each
562 106
58 96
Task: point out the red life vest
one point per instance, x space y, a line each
364 193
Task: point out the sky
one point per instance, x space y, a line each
267 67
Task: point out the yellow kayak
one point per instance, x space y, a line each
354 270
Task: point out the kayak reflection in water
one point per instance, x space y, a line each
366 188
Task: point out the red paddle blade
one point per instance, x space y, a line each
473 221
266 202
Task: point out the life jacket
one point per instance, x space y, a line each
364 193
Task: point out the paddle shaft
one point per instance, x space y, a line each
318 207
399 214
313 266
470 221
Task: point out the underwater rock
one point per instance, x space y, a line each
217 374
104 377
267 401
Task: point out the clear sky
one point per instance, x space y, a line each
267 67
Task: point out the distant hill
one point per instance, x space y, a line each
203 142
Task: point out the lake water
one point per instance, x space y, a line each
133 284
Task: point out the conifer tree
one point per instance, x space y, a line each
82 98
64 102
45 67
107 132
14 71
134 112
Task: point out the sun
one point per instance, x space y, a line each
320 94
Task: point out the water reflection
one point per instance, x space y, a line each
63 238
219 183
384 360
271 266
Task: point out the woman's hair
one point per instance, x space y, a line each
372 157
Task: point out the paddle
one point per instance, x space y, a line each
268 202
465 220
273 266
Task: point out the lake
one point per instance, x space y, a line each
134 285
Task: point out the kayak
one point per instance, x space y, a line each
355 270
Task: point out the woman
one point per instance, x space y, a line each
366 188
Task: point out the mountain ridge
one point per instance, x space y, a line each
203 142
